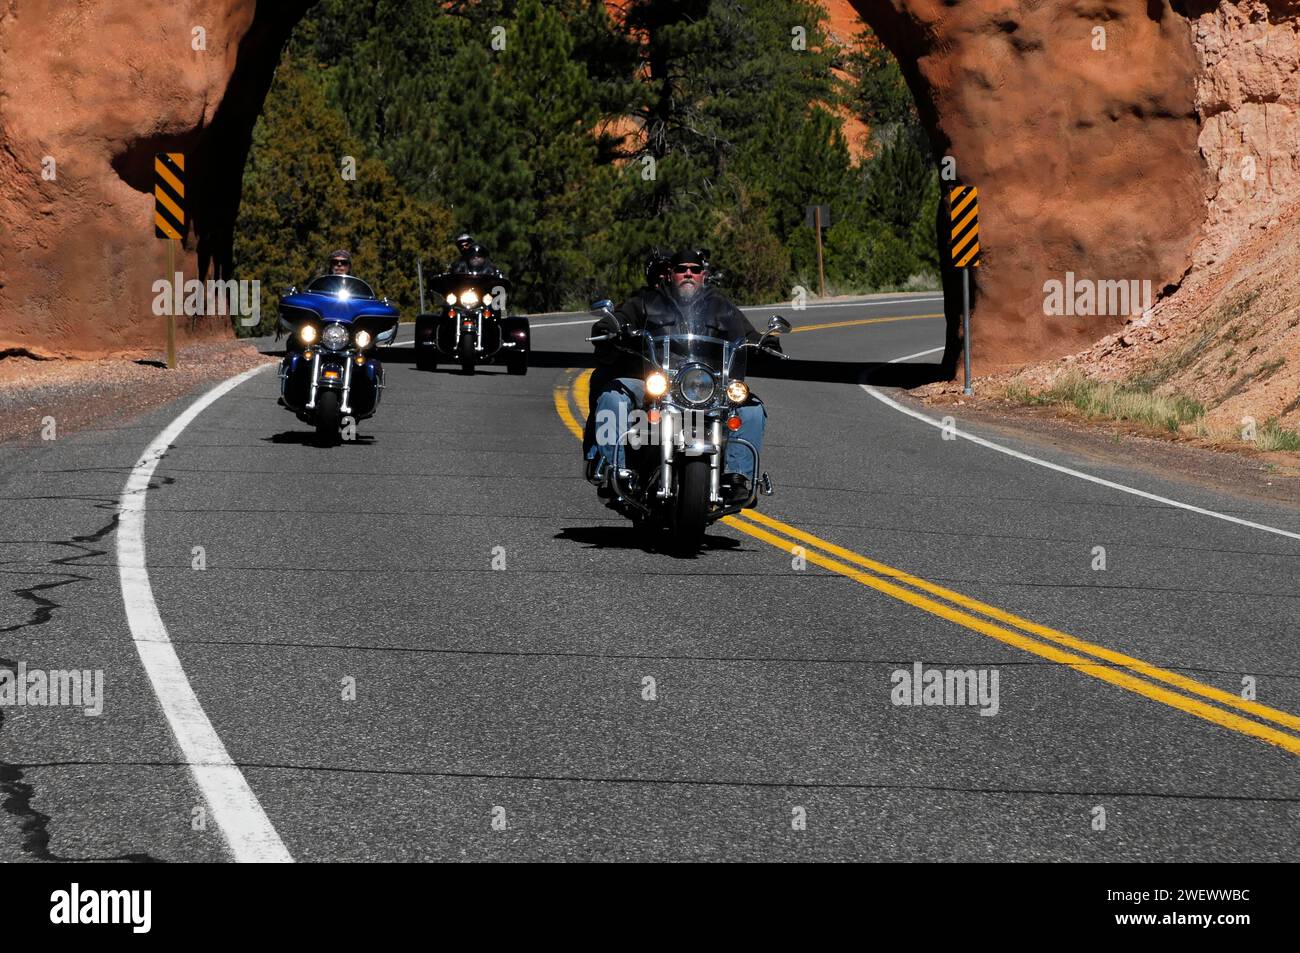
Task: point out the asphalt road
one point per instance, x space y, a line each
504 713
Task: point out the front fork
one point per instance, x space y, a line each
475 328
345 405
673 437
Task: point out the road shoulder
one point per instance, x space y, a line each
1259 478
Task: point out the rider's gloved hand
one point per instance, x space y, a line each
609 324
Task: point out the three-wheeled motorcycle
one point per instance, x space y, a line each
470 326
330 376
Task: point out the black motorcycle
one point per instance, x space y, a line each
676 446
470 326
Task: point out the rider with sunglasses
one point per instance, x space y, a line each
682 301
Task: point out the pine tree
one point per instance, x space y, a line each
297 206
550 102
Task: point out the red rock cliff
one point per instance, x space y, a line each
98 88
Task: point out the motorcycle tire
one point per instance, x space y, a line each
691 508
467 353
328 418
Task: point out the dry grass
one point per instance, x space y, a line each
1100 399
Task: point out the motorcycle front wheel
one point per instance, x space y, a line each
467 353
691 508
327 418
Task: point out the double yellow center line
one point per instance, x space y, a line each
1161 685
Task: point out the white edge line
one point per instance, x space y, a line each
234 806
889 401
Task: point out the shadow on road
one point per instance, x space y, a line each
876 373
307 438
628 537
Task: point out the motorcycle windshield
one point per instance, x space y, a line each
670 353
341 286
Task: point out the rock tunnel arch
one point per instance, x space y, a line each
1064 146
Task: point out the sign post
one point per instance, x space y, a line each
964 210
169 222
819 217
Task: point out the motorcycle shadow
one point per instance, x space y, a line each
626 536
308 438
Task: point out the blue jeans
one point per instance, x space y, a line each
610 415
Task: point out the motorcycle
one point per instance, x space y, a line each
470 327
330 376
677 448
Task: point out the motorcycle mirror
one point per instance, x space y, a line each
291 290
778 325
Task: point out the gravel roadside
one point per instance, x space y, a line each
81 395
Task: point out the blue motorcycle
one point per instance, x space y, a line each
331 377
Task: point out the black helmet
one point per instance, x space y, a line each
476 257
657 267
692 256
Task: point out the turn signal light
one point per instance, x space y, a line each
733 423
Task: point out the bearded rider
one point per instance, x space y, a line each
677 300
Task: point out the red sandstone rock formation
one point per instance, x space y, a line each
99 88
1111 163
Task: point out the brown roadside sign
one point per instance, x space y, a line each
964 212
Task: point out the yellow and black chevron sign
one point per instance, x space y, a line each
964 207
169 195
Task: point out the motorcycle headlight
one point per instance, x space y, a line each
363 339
451 298
307 333
656 385
696 384
334 337
487 301
468 298
737 392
